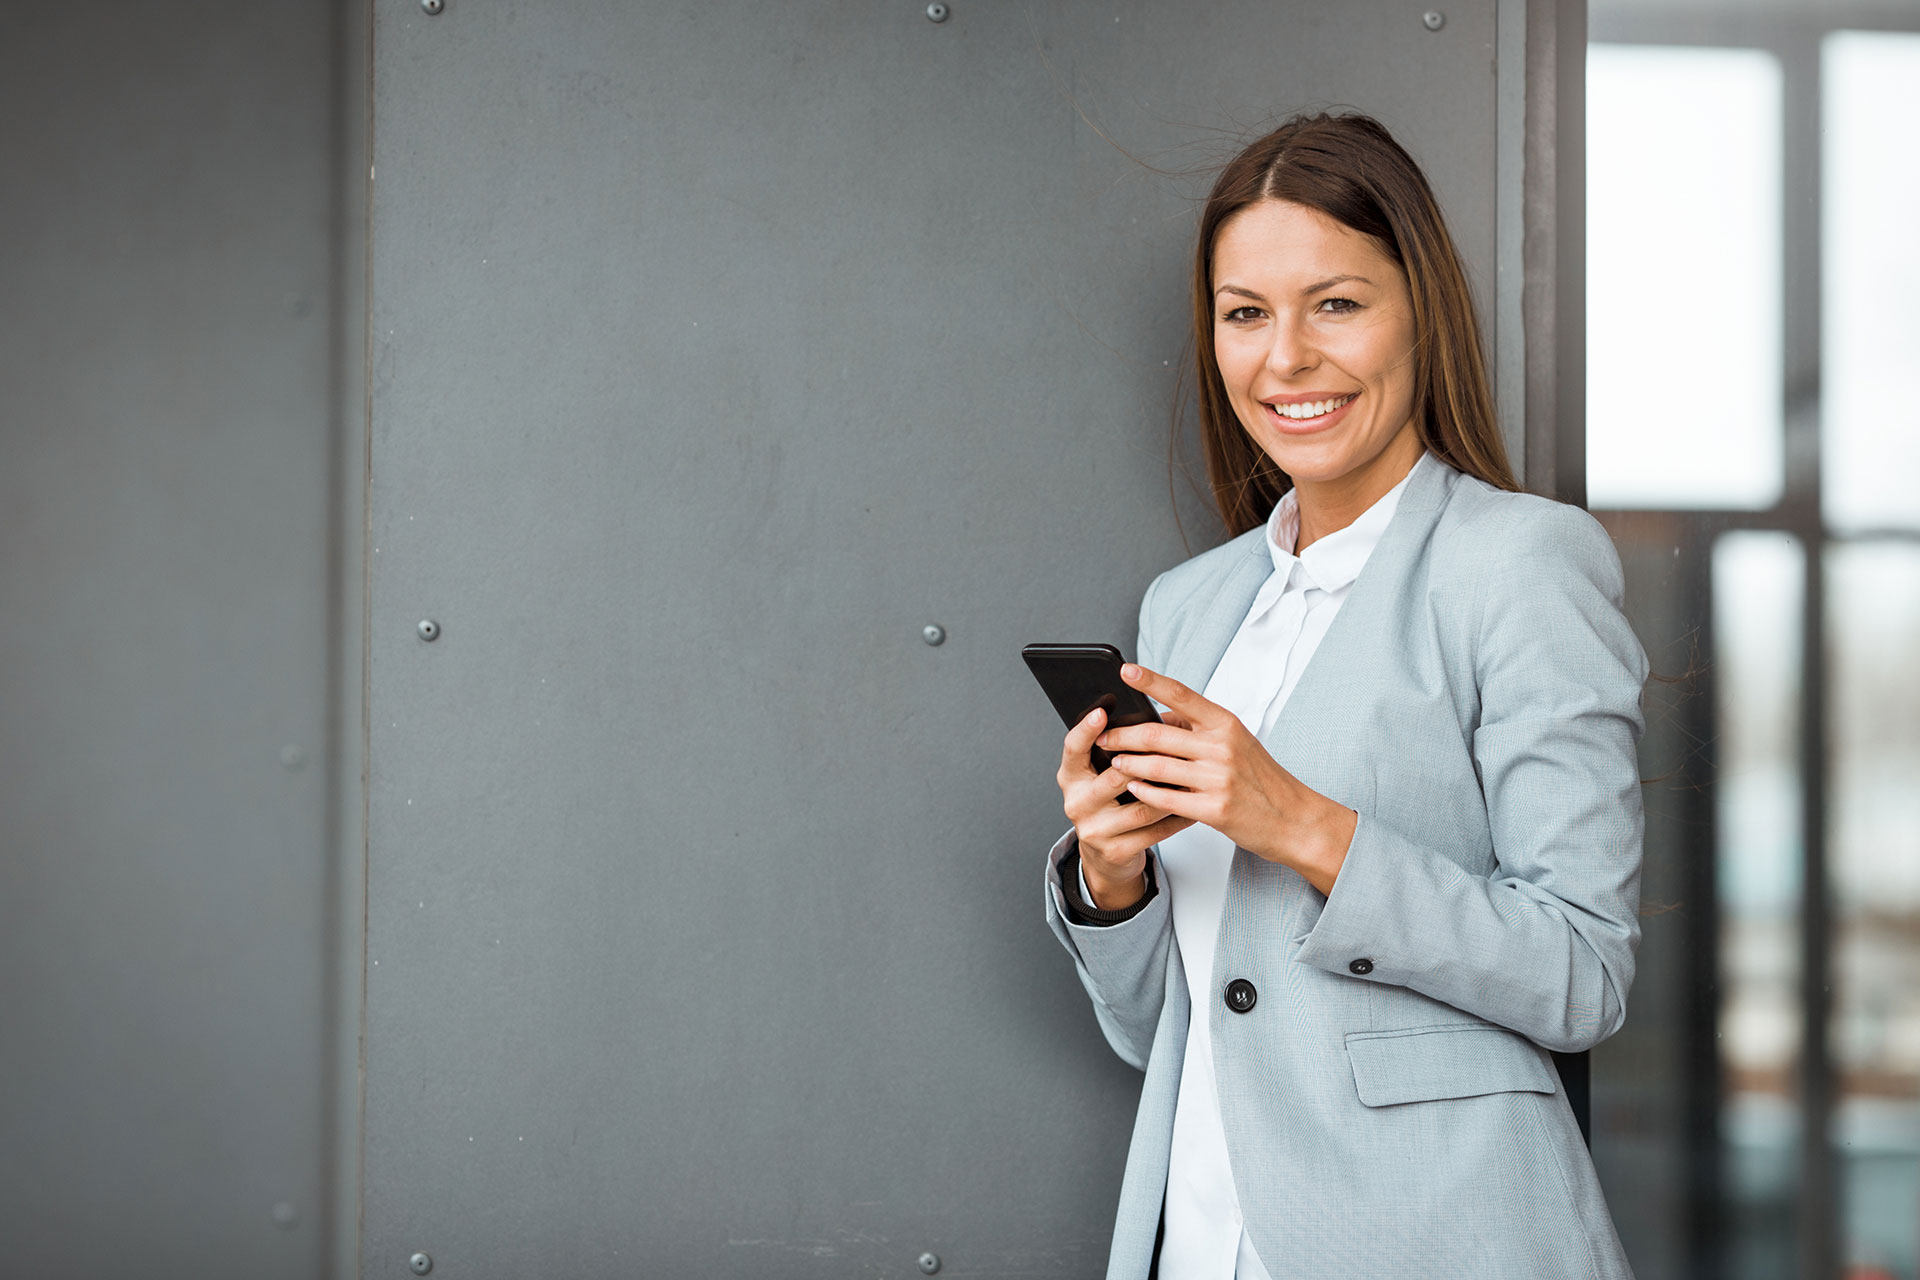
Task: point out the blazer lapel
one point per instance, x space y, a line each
1362 632
1351 644
1200 646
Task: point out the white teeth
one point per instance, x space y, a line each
1312 408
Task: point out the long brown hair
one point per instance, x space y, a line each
1349 168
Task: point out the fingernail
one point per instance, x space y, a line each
1129 672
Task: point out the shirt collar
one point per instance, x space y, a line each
1333 562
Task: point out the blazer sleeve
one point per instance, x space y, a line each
1545 944
1123 966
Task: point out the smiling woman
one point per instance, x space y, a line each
1317 368
1377 219
1386 849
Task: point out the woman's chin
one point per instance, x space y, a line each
1337 457
1306 464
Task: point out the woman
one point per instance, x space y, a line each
1388 855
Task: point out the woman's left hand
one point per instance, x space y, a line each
1231 783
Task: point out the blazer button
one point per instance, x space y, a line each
1241 997
1360 968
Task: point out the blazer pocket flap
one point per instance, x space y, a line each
1420 1064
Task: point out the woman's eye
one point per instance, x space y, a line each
1339 306
1241 315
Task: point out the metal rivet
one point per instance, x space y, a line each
1434 19
420 1264
285 1216
929 1263
429 629
934 633
432 6
293 757
936 12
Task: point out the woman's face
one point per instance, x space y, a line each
1313 330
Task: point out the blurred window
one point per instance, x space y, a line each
1683 277
1759 594
1873 859
1870 317
1783 825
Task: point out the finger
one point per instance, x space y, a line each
1169 771
1195 806
1168 692
1163 739
1177 720
1093 793
1117 850
1113 827
1075 760
1171 825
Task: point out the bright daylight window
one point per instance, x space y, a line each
1870 324
1683 277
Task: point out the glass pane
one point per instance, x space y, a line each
1758 594
1870 320
1873 630
1683 277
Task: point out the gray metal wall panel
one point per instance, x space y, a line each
164 515
718 347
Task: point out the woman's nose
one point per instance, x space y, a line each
1292 350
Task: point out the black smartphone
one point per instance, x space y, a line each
1079 677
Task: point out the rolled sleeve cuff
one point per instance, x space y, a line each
1353 935
1075 901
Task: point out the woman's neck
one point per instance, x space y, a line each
1328 506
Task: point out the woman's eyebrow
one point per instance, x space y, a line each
1332 281
1316 287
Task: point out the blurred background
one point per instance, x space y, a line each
1753 443
201 400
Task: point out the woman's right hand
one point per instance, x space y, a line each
1114 838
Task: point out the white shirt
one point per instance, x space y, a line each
1205 1238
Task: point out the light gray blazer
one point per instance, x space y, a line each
1390 1106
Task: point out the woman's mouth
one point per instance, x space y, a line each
1310 414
